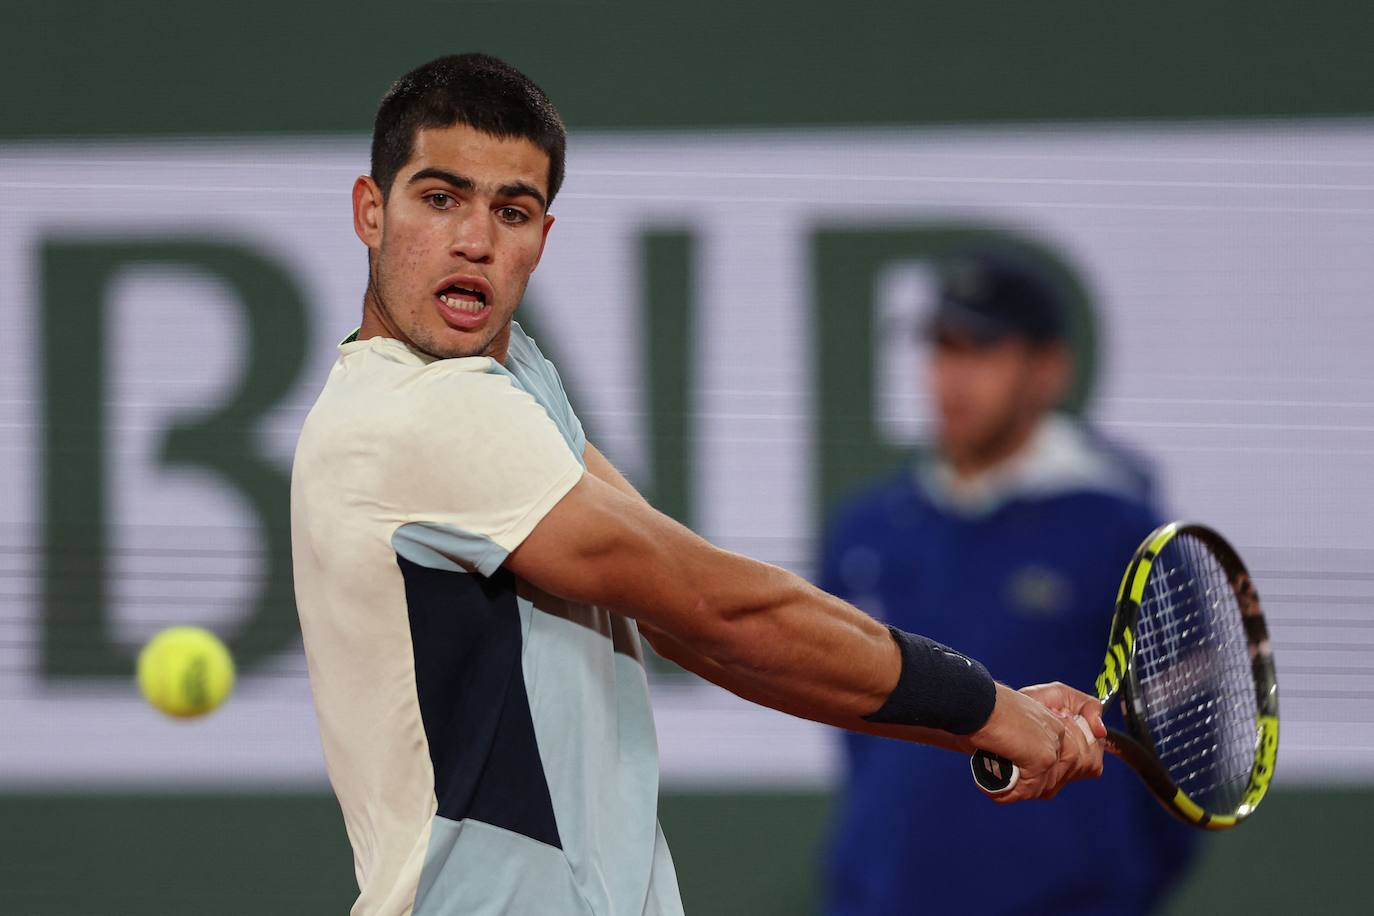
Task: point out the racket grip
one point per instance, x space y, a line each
996 775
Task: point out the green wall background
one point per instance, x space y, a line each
138 68
199 67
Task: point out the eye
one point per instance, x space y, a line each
440 201
512 215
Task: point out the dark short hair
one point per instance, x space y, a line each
473 89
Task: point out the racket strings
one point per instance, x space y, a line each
1194 676
1199 744
1189 716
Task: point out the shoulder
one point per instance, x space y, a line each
1136 471
523 348
1070 457
381 366
527 362
1080 481
1105 511
1088 472
383 393
1106 523
537 375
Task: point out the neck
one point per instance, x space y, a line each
499 346
993 456
375 321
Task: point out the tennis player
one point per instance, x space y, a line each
472 576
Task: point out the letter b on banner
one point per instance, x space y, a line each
219 440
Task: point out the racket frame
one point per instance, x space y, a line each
1119 680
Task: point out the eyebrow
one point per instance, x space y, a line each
463 183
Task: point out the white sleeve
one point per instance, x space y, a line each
475 464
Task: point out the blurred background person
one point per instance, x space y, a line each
1007 537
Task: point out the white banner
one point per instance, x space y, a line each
1230 266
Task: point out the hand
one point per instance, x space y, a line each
1035 728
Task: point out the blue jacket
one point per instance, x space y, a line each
1022 576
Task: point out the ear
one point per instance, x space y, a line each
1055 371
369 212
543 239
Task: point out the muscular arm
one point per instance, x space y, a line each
601 545
739 683
760 631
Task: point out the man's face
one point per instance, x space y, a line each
454 244
989 396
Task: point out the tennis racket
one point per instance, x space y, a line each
1189 658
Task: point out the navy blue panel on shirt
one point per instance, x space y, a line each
466 635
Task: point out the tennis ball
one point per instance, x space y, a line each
185 671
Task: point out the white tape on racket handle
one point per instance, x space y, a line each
984 759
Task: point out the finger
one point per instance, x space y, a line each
1066 701
1090 709
1075 750
1029 784
1057 778
1088 732
1045 783
1079 757
1090 763
1099 728
1054 695
1063 700
1029 789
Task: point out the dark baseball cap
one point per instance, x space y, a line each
991 298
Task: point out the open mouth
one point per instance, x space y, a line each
464 301
463 298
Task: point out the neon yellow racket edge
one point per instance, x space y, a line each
1189 658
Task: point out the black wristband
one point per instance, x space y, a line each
938 688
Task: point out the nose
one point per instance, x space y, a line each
473 240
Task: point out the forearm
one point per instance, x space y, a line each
781 640
740 684
765 634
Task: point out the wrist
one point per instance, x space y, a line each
937 688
